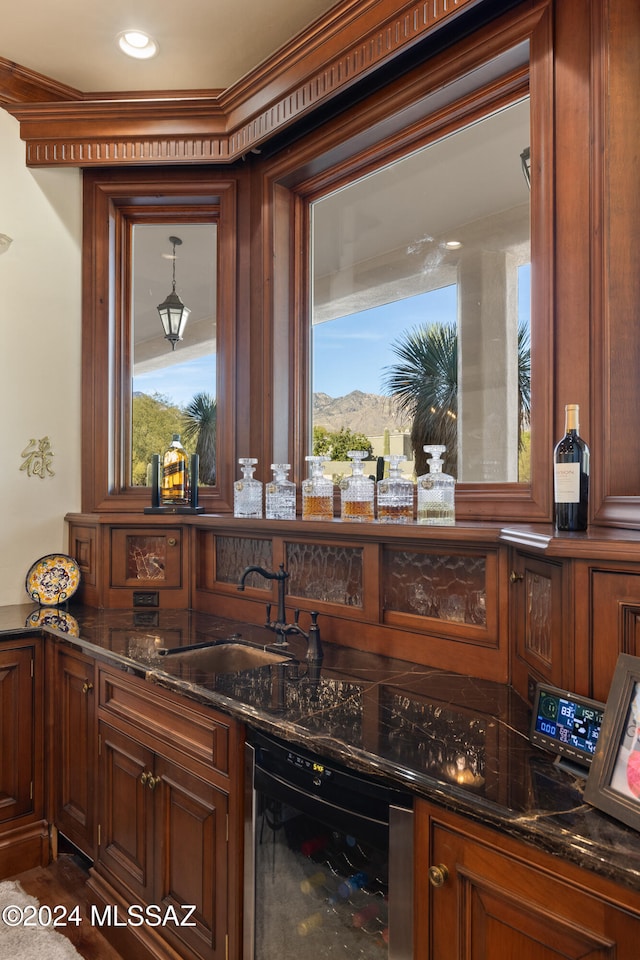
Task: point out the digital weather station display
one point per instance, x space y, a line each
566 723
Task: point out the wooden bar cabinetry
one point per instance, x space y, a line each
127 564
540 610
436 598
515 604
24 837
481 894
169 786
72 705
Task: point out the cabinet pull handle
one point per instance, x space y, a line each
144 778
171 541
514 577
87 686
438 875
153 782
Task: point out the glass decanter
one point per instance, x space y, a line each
247 492
317 492
436 492
395 493
357 491
280 494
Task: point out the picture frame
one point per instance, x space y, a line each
613 784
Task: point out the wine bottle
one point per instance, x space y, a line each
355 882
310 923
571 475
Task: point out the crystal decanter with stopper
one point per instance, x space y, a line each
247 492
317 492
436 503
357 491
395 493
280 494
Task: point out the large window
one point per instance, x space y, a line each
420 312
138 390
419 230
174 386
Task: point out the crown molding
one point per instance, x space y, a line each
19 85
64 127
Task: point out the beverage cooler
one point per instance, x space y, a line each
328 859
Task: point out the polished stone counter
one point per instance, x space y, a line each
455 740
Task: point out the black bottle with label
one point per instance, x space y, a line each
571 475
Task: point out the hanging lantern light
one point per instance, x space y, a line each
525 160
173 313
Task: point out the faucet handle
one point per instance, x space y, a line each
315 652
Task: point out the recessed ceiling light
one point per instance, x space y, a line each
137 44
453 244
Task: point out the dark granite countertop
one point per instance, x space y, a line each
455 740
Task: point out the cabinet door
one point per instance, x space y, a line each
541 634
191 850
75 749
17 733
615 624
126 812
146 557
491 905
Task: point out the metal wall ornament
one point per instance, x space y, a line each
37 457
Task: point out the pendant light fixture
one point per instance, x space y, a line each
525 160
173 313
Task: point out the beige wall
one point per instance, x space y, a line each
40 338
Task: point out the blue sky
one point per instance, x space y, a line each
181 381
349 353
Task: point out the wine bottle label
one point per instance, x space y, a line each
567 482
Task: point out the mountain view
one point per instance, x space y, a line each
367 413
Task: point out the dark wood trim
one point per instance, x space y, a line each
62 127
616 264
19 85
110 199
380 129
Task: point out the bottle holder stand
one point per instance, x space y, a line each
157 506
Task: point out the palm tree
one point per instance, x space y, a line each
200 423
524 380
424 384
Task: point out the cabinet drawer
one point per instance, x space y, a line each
169 723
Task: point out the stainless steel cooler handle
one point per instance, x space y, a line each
401 883
249 912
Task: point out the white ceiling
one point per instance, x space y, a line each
203 44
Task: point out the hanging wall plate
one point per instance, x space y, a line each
53 579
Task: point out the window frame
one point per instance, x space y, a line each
374 133
114 201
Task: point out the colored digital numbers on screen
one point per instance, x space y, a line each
568 722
